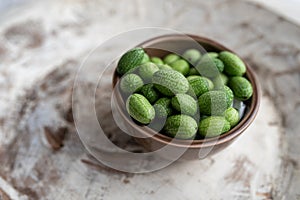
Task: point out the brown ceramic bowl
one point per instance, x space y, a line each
152 140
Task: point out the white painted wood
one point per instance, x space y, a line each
287 9
48 41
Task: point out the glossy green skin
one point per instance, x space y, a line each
170 82
192 55
193 71
163 107
219 64
181 66
149 92
210 83
220 81
130 60
164 66
139 108
224 78
198 84
232 116
213 54
181 127
157 60
145 58
208 67
213 126
241 87
164 90
213 103
233 65
185 104
130 83
171 58
229 96
147 70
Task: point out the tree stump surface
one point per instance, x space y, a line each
43 44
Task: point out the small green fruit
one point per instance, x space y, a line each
213 103
213 126
181 127
170 82
164 66
140 109
149 92
145 59
199 85
185 104
157 60
209 67
171 58
193 71
130 83
181 66
163 107
192 56
232 116
219 64
224 78
147 70
234 66
241 87
220 80
130 60
210 83
212 54
229 96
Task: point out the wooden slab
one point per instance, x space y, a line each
43 44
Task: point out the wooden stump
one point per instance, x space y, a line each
41 155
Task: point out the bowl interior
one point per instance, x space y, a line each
163 45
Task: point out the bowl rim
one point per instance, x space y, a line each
200 143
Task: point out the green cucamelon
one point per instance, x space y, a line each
130 60
199 85
140 109
192 56
181 127
233 65
213 126
145 59
157 60
212 54
164 66
185 104
181 66
241 87
149 92
219 64
232 116
147 70
210 83
170 82
163 107
229 96
213 103
209 67
220 80
193 71
130 83
171 58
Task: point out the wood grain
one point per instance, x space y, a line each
42 157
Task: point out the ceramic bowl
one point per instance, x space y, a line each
152 140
